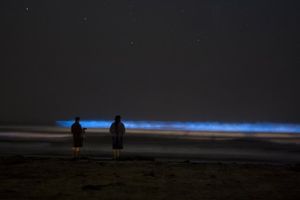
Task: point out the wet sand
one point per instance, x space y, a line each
201 146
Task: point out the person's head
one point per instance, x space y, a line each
117 118
77 119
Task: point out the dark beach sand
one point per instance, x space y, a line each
62 178
155 165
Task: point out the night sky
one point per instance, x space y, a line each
173 60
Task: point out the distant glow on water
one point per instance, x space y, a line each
192 126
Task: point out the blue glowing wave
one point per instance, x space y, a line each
193 126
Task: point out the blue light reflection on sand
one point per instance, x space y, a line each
192 126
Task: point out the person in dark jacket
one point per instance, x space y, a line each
77 132
117 130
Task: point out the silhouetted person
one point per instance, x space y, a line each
117 130
77 132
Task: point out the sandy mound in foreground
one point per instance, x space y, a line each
53 178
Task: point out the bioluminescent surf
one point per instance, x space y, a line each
192 126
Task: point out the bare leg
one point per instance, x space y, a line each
118 153
74 152
114 154
78 152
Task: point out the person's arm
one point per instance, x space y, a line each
80 130
72 129
111 129
123 129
